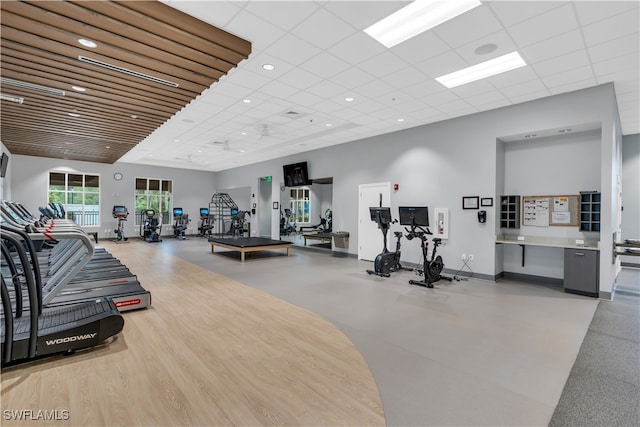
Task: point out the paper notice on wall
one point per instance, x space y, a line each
560 204
561 217
536 212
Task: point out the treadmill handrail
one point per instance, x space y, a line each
35 305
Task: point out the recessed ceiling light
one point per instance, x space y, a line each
12 98
78 88
243 133
564 130
246 101
242 150
176 140
418 17
74 114
328 124
88 43
107 147
349 99
489 68
269 67
133 116
400 120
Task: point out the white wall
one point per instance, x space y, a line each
191 189
438 164
558 165
631 191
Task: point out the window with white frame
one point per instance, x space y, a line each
79 194
154 194
300 205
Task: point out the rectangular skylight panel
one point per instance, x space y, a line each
416 18
489 68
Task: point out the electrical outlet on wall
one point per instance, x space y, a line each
464 257
470 257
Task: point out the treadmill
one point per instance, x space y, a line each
41 332
91 276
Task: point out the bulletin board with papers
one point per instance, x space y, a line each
550 211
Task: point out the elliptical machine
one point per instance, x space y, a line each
386 262
120 213
150 226
206 223
181 220
417 217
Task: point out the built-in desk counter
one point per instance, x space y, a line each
581 259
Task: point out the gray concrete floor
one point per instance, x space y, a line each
468 352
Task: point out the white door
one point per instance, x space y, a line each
369 235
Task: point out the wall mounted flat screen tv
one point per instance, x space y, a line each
414 215
4 162
296 174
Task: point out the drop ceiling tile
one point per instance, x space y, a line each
348 113
611 28
258 59
421 47
614 48
362 14
278 89
493 105
323 29
518 91
566 62
217 14
554 22
300 78
405 77
529 96
454 107
486 98
382 65
572 86
512 12
468 27
357 48
326 89
425 88
246 78
581 74
626 62
628 86
592 11
352 77
327 106
562 44
442 64
305 99
284 14
440 98
292 49
258 31
513 77
374 89
324 65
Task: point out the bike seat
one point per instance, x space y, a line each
437 240
397 233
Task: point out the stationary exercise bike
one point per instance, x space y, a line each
417 217
120 213
386 262
206 223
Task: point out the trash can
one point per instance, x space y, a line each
341 239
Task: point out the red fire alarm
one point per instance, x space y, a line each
395 187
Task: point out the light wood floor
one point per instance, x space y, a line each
210 351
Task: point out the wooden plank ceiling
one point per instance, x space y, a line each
150 61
